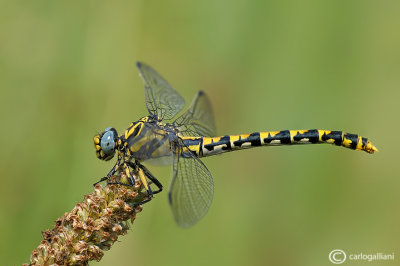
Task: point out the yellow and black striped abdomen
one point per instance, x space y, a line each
207 146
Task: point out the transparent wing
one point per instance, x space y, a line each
198 120
161 99
191 190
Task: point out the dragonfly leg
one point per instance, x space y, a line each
142 202
143 172
132 182
101 180
146 186
130 178
152 178
147 174
108 175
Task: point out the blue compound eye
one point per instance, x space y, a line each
107 142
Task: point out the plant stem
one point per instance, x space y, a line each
91 227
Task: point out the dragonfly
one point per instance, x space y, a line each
183 140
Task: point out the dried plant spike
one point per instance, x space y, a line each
91 227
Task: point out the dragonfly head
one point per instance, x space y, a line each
105 143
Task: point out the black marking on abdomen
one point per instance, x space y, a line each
283 136
223 140
192 142
364 142
253 138
353 138
335 135
312 135
201 148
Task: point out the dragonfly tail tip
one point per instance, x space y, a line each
370 148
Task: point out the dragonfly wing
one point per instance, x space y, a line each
191 190
160 161
198 120
161 99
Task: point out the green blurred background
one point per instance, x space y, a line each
67 71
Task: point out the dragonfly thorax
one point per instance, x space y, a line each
106 143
